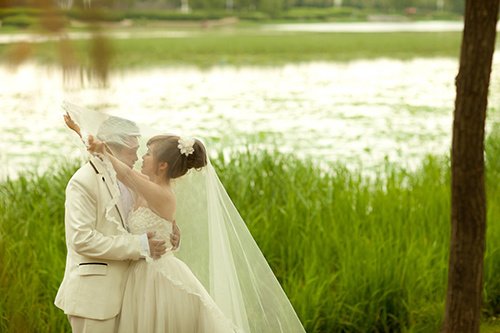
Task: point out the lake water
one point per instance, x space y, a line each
371 27
325 27
359 113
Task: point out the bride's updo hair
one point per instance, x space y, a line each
166 150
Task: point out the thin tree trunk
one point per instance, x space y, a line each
468 201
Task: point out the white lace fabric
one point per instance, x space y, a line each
143 220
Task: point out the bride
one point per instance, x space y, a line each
223 283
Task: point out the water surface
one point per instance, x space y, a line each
359 113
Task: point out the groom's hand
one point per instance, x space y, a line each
157 247
175 236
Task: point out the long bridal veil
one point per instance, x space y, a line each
218 247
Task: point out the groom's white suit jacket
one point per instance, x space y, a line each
99 248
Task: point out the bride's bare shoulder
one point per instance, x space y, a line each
164 203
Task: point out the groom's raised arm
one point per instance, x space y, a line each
81 227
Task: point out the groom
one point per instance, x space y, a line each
98 244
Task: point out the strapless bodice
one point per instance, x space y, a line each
144 219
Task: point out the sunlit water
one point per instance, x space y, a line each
357 27
330 27
359 113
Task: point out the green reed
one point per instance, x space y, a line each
353 253
32 252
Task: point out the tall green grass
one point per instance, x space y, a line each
354 254
32 252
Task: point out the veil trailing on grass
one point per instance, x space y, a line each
217 245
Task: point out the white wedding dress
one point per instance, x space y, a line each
164 296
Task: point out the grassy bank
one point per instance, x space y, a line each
353 254
255 47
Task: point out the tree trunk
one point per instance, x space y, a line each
468 199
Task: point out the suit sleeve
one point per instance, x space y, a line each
81 233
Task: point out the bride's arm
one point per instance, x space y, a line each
72 125
155 196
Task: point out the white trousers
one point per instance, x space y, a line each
86 325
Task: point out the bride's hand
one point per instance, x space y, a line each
96 145
71 124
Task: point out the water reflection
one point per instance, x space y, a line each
357 113
357 27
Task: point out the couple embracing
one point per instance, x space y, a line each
125 270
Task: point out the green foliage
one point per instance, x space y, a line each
175 15
353 253
444 16
32 252
205 49
304 13
271 7
15 11
157 15
20 21
208 5
253 16
295 10
96 15
492 261
387 6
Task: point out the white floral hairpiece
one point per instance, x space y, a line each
186 146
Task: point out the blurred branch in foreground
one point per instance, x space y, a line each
51 21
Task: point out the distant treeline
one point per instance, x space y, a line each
271 8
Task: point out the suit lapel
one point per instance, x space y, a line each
110 184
